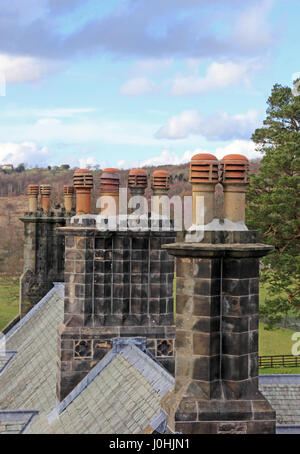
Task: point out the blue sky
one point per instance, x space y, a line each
139 82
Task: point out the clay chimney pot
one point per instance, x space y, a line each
204 168
83 183
32 192
160 180
137 179
45 191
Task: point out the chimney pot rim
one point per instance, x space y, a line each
235 158
204 157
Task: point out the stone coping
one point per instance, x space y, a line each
237 250
279 379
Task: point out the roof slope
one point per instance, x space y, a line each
283 393
14 422
121 395
28 380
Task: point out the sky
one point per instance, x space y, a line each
129 83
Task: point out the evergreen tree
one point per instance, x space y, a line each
274 202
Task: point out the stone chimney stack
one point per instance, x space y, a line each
33 193
217 299
235 179
83 183
68 198
109 187
204 177
45 191
43 248
137 181
118 283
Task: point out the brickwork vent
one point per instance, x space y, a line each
160 180
137 179
110 181
235 169
204 169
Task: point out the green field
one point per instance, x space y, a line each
276 342
9 299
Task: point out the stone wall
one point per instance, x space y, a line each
43 257
117 284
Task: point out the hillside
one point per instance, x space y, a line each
13 202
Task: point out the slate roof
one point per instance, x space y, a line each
28 381
15 422
122 394
283 393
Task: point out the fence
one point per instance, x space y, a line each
279 361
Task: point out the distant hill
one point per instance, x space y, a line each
15 183
13 202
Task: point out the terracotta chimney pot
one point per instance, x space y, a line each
83 183
160 187
32 192
235 170
109 186
204 177
137 181
160 182
45 191
68 198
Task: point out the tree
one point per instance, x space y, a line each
274 202
20 168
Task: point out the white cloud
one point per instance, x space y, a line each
88 162
16 69
252 29
167 157
62 112
48 122
164 158
26 152
53 130
295 76
220 126
218 76
151 65
244 147
137 86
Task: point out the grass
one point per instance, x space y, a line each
9 299
276 342
279 370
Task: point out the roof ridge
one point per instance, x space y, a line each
131 352
161 381
57 287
